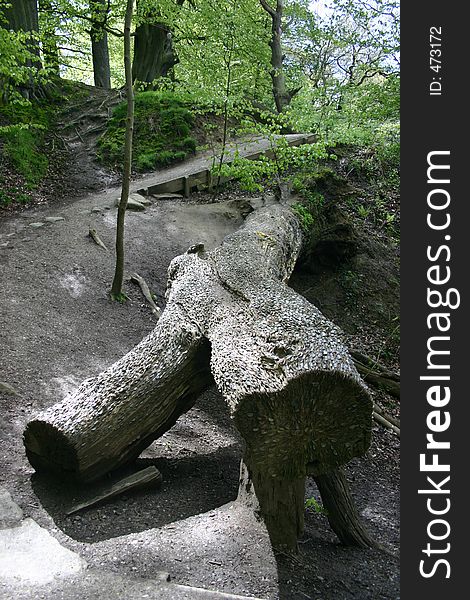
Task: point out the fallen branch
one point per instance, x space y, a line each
374 365
376 374
290 384
96 238
385 415
145 477
140 281
380 419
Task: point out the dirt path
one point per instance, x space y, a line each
58 327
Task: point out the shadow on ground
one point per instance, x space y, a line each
191 485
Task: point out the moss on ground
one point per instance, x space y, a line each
22 132
162 132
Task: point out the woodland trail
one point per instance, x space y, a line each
58 327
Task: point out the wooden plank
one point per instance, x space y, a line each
143 478
202 179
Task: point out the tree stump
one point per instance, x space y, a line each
290 384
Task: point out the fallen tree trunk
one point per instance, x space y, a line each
290 383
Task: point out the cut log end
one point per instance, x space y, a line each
48 449
320 419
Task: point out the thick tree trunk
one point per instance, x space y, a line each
101 68
99 45
22 15
289 382
154 54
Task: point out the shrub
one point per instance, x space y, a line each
145 162
166 157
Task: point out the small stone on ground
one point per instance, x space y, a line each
54 219
141 199
132 204
10 513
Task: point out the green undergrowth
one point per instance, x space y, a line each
23 127
315 187
162 132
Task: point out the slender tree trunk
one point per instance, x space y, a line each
49 38
282 96
116 289
99 45
228 64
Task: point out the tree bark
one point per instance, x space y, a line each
341 511
22 15
116 288
282 96
289 382
154 54
113 417
99 45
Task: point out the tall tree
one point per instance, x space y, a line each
154 53
22 16
99 43
282 96
116 289
49 39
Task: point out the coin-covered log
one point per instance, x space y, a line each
290 384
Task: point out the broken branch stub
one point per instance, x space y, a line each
292 389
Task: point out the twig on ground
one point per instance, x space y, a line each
383 421
140 281
96 238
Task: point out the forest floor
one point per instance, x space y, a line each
58 327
